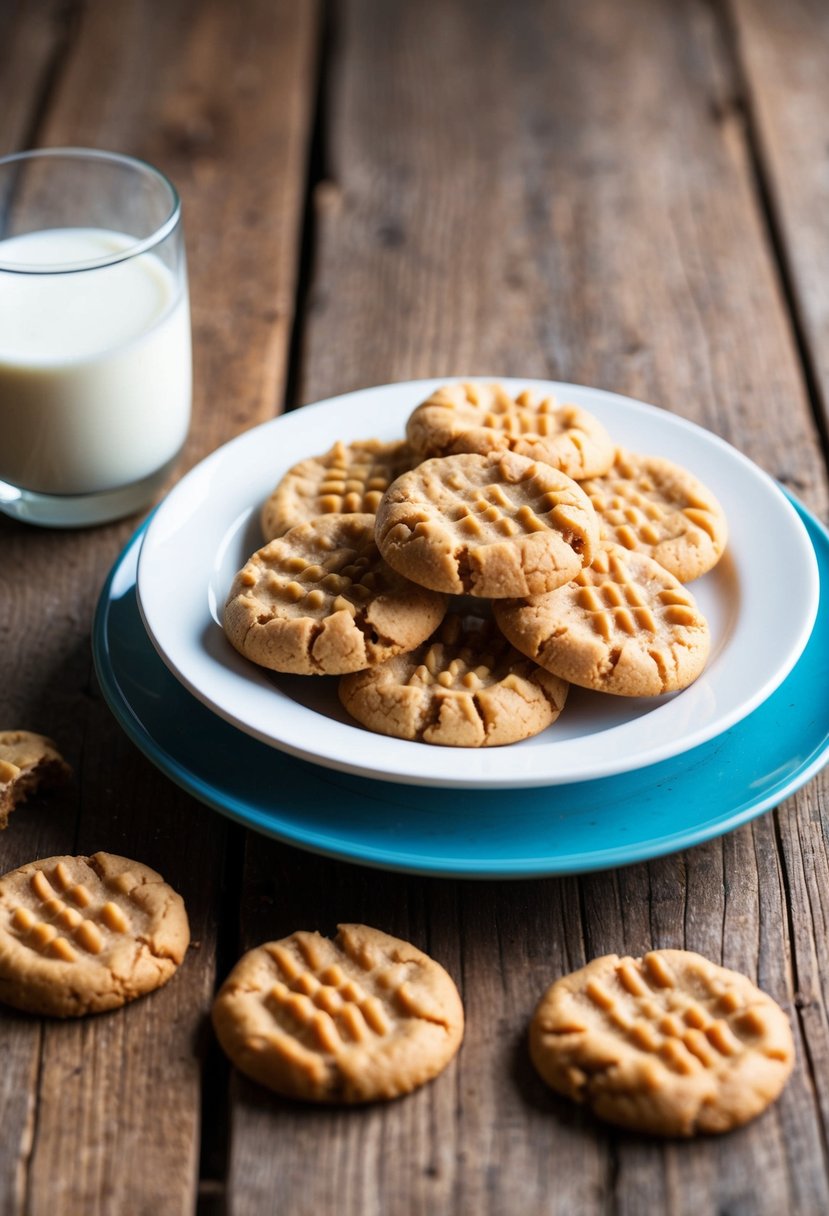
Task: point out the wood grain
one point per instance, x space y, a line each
565 190
103 1115
30 39
596 220
781 53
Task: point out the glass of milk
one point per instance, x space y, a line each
95 353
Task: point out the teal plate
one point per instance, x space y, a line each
564 829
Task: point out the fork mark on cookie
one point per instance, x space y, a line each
53 923
659 1017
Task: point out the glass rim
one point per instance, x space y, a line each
147 243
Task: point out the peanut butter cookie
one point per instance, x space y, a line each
82 934
465 687
485 418
653 506
321 601
624 625
349 478
28 762
670 1044
358 1019
495 526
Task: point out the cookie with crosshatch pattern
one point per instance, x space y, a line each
321 601
671 1043
348 478
653 506
482 418
358 1019
492 526
624 625
80 935
465 687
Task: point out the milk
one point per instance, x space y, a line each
95 371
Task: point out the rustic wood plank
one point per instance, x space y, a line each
781 55
104 1115
570 223
565 190
781 52
803 841
33 36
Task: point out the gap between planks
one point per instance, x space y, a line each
770 217
317 176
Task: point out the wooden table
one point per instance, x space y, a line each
629 195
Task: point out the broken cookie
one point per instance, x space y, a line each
27 762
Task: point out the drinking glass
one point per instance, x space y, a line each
95 350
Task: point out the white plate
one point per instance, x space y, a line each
760 600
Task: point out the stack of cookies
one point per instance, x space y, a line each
459 581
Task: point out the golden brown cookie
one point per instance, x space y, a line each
349 478
670 1043
360 1018
654 506
82 934
485 418
494 526
321 601
464 687
624 625
28 762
